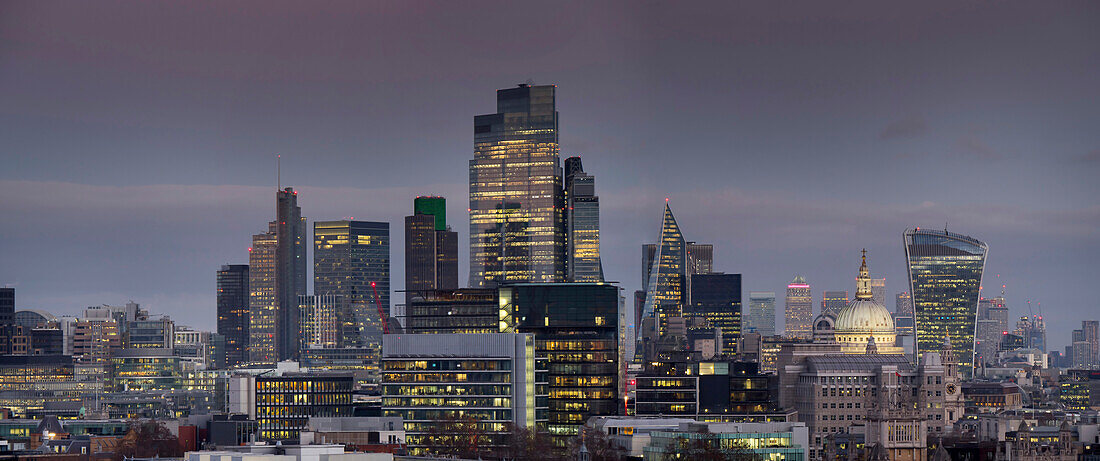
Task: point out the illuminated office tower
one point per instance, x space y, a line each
833 301
799 309
516 203
320 321
716 301
700 257
582 224
277 276
945 278
665 283
352 259
233 312
762 313
431 248
878 291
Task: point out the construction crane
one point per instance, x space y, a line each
381 312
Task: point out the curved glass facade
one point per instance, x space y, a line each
945 279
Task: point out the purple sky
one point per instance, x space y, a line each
137 139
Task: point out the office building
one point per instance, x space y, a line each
155 333
778 441
277 276
31 372
281 404
878 291
708 391
576 332
95 339
833 301
433 381
320 327
799 309
716 302
233 312
7 306
465 310
903 304
761 313
945 278
665 278
700 258
198 349
431 247
351 259
516 195
147 369
582 225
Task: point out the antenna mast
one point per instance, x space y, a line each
278 172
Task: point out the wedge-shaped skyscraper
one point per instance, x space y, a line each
664 297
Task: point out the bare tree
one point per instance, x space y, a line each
148 439
461 437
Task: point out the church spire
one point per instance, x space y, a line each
863 282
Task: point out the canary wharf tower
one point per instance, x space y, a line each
945 277
516 198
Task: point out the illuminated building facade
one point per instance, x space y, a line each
145 369
779 441
516 196
465 310
665 282
320 327
799 309
431 247
351 259
578 362
282 405
708 391
864 323
582 224
432 380
158 334
945 278
833 301
903 304
716 301
28 372
878 290
95 339
277 276
761 313
232 301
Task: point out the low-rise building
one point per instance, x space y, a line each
772 441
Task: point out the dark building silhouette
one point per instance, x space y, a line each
716 302
431 248
233 313
7 305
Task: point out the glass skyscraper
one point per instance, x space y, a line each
349 256
277 276
431 248
516 196
762 313
945 279
233 312
582 225
716 299
665 283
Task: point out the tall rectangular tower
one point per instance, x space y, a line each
716 298
233 312
582 224
276 281
945 277
516 197
833 301
799 309
431 248
7 305
762 312
352 259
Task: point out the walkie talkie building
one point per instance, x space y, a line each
945 278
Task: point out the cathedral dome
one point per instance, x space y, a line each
864 316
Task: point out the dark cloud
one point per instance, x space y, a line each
906 128
972 146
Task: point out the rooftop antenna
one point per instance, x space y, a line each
278 172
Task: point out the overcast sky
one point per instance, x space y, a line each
138 139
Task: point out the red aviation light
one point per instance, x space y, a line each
372 284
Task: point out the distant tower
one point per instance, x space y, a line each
277 276
431 248
516 197
945 278
878 290
582 224
233 312
799 309
762 312
833 301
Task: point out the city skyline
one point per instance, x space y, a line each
765 233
